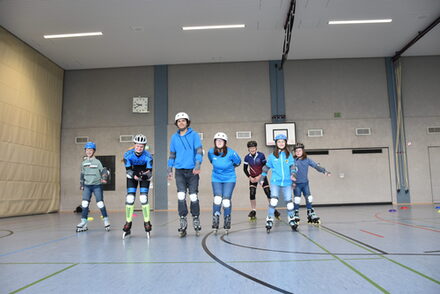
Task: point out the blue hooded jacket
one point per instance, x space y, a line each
223 167
187 150
282 169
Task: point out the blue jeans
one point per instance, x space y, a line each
305 190
87 195
275 193
187 181
223 190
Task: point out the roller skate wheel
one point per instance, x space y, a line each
107 228
267 230
148 235
182 234
125 235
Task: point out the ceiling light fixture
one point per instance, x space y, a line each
360 21
233 26
73 35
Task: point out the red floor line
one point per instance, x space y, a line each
372 234
403 224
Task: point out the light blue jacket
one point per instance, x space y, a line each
185 151
282 169
223 168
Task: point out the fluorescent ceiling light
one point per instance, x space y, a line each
234 26
360 21
73 35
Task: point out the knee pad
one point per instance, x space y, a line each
144 199
85 204
217 200
226 203
253 192
129 199
290 205
100 204
297 199
181 195
310 198
193 197
273 202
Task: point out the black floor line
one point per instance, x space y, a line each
9 233
218 260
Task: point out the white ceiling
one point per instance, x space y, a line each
160 39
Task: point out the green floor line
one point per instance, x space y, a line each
383 256
47 277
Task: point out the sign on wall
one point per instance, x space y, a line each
287 129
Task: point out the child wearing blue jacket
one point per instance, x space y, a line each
283 173
224 160
302 182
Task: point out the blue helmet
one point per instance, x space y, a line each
280 137
90 145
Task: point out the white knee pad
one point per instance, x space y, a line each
129 199
226 203
273 202
297 199
290 205
193 197
85 204
310 198
143 199
217 200
181 195
100 204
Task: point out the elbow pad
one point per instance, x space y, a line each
105 174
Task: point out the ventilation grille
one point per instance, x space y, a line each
126 138
433 130
363 131
243 134
81 140
315 133
201 136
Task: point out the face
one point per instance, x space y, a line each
219 143
139 148
182 123
299 152
90 152
281 144
252 150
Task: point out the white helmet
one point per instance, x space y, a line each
221 135
181 115
140 139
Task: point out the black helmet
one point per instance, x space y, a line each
298 145
251 144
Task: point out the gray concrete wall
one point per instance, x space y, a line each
421 106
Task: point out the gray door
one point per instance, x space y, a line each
434 165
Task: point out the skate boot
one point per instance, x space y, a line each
183 225
252 216
147 227
269 224
312 217
126 229
227 223
296 216
196 224
106 224
277 214
215 222
82 226
292 223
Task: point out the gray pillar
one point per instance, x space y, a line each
278 105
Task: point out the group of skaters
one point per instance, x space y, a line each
289 174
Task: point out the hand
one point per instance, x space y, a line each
170 176
196 171
293 178
81 187
137 178
103 181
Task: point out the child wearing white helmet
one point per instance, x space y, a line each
93 175
224 160
186 154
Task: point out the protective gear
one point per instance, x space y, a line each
85 204
193 197
105 174
82 226
253 192
251 144
221 135
226 203
146 175
217 200
280 137
90 145
140 139
143 199
298 146
181 115
129 199
310 198
100 204
289 205
130 174
181 195
273 202
297 200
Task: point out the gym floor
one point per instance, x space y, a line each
356 249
